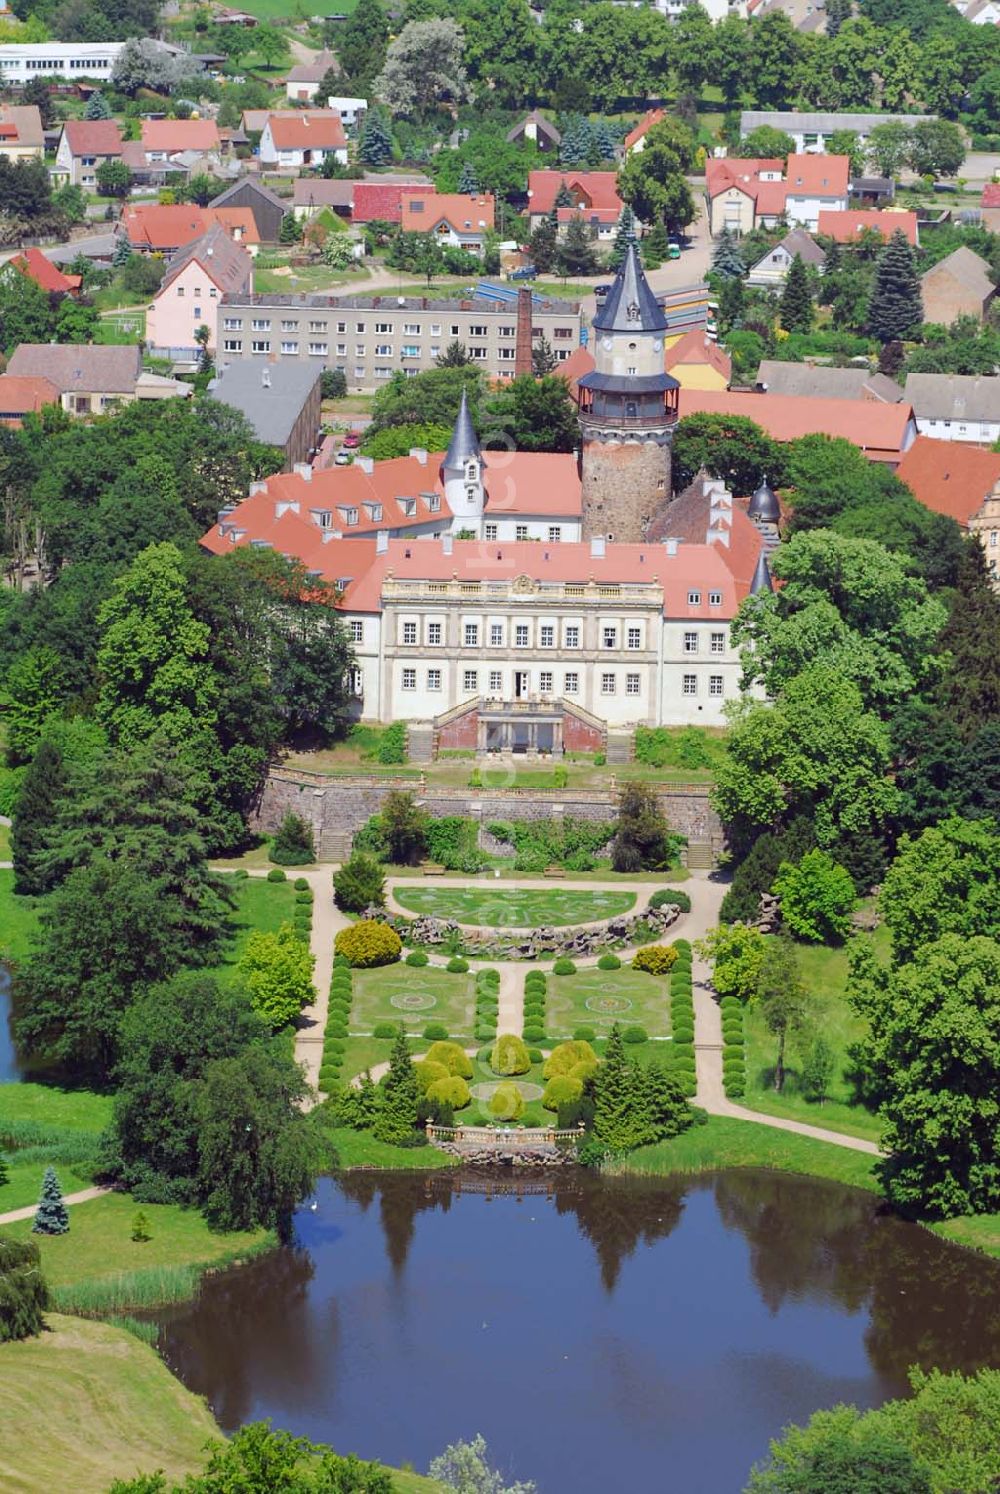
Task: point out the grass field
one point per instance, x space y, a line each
512 907
397 993
599 998
734 1143
824 973
360 1149
18 919
58 1109
307 278
24 1183
86 1403
262 905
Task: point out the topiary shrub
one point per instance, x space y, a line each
683 1033
635 1034
304 898
336 1028
534 1034
341 962
417 958
450 1090
384 1030
457 965
436 1032
609 961
536 1055
562 1089
428 1072
484 1034
368 944
506 1103
565 1056
483 1055
510 1055
277 875
301 884
564 966
584 1035
657 959
731 1004
239 875
334 1046
452 1055
671 895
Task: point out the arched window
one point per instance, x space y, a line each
470 472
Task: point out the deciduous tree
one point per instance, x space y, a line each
277 970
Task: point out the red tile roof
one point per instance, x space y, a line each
882 431
93 137
44 273
21 394
381 200
597 189
649 119
991 195
950 477
695 347
239 223
588 214
737 171
307 129
529 482
422 212
165 228
817 175
846 227
175 135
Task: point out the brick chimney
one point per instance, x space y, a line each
522 347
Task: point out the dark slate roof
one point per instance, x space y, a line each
259 188
628 383
630 305
764 505
464 442
272 396
761 576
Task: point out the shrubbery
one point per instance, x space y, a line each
584 1034
453 1056
657 959
450 1090
564 966
817 897
509 1055
561 1090
566 1056
457 965
671 896
368 944
293 845
277 875
359 883
609 961
417 958
635 1034
573 844
436 1032
384 1030
506 1103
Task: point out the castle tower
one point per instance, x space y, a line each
462 473
764 510
628 410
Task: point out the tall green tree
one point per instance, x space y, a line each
796 313
727 261
624 235
277 970
653 181
23 1293
362 40
575 251
781 998
615 1097
34 688
840 1450
895 308
969 688
375 144
51 1216
641 840
404 826
543 244
38 806
943 881
400 1095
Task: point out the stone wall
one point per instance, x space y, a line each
338 805
623 482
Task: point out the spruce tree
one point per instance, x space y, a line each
624 235
895 308
97 106
468 182
615 1096
375 145
38 806
726 258
543 359
51 1216
543 244
604 141
796 302
575 255
397 1114
655 246
122 253
563 197
969 690
576 143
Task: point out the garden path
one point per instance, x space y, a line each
84 1196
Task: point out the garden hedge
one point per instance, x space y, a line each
534 1034
671 895
609 961
510 1055
369 943
657 959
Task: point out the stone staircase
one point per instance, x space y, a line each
620 745
334 845
699 855
420 744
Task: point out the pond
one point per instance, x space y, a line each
647 1334
11 1068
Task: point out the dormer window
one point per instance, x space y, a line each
434 503
408 506
374 511
349 515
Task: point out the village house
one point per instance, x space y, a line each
587 191
267 207
848 226
162 139
303 80
281 401
883 432
773 267
955 407
962 482
25 395
47 276
818 381
743 194
21 134
453 218
537 130
811 129
151 229
91 379
84 145
635 140
196 280
295 140
959 285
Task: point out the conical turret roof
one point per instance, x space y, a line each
464 442
630 305
762 575
764 505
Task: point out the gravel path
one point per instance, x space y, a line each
84 1196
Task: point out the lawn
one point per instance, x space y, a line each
513 907
360 1149
397 993
975 1231
24 1183
307 278
52 1108
18 919
824 973
4 842
722 1142
599 998
260 905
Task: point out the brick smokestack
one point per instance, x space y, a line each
522 349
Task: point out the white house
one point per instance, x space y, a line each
955 407
351 111
22 61
300 139
811 129
814 184
772 267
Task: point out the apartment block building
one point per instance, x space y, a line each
371 337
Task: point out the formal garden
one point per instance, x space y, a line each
513 907
596 999
420 999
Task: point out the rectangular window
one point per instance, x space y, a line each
409 679
607 684
479 354
320 326
507 355
289 347
555 534
496 682
715 684
690 643
472 635
521 635
410 350
260 346
260 324
232 324
470 680
180 292
359 326
490 531
341 349
715 599
718 643
547 635
232 345
572 636
341 326
383 327
409 632
571 683
383 350
433 679
496 635
632 684
289 326
318 349
690 685
563 332
357 630
694 598
634 638
411 329
433 633
197 313
609 637
545 682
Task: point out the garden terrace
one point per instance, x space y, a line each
414 997
599 998
514 907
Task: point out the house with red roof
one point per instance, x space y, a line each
154 229
295 140
635 140
33 263
587 190
382 202
163 138
460 220
692 359
196 280
743 194
884 432
84 145
848 226
27 395
961 481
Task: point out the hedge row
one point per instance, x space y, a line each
734 1074
337 1024
682 1060
487 1004
535 986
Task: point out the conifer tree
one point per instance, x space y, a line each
38 805
543 359
563 197
624 235
97 106
543 244
375 145
726 258
969 690
615 1096
575 255
122 253
655 246
796 302
576 144
468 182
397 1115
604 141
895 307
51 1216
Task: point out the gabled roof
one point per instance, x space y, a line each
846 226
797 242
315 71
158 228
175 135
422 211
695 347
24 394
588 214
307 129
880 430
21 124
381 200
950 477
249 184
316 191
630 305
93 137
225 263
954 396
43 272
542 125
968 268
639 131
817 176
271 396
599 187
744 172
84 368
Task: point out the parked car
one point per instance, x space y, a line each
351 441
343 459
673 249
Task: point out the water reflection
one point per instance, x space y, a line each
589 1328
10 1068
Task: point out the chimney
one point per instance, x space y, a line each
671 546
366 464
597 546
447 544
303 470
522 345
382 542
419 454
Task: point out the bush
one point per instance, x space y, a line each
436 1032
671 895
368 944
509 1056
450 1090
506 1102
573 844
427 1072
334 1046
563 966
341 962
683 1033
561 1090
417 958
534 978
359 883
293 845
584 1035
566 1056
609 961
536 1055
635 1034
533 1034
457 965
453 1056
301 884
731 1004
733 1037
277 875
304 899
484 1034
392 745
239 875
488 976
336 1029
384 1030
656 958
817 897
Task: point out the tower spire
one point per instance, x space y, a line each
464 443
630 305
